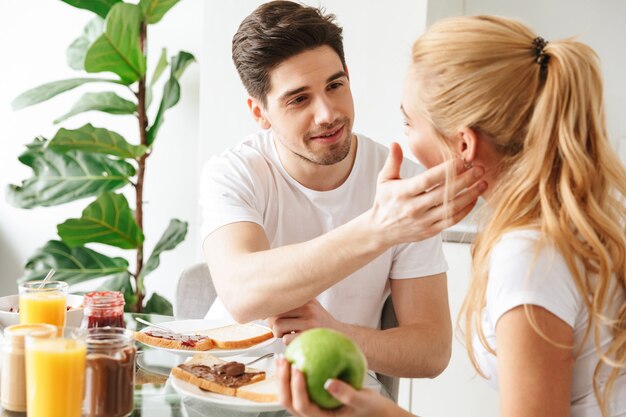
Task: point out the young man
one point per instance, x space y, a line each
300 227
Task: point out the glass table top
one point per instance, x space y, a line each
155 395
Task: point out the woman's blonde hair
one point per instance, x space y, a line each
542 109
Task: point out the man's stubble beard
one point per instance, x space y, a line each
335 153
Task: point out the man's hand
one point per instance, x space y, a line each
309 316
412 209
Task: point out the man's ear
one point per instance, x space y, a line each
467 144
258 114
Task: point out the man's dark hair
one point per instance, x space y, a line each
276 31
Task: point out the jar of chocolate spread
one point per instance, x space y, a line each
109 373
103 309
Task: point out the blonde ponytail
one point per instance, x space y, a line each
559 174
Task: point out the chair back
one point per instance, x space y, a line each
195 292
389 320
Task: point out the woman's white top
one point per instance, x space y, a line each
519 275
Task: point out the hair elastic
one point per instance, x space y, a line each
541 58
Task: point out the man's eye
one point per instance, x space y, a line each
334 86
296 101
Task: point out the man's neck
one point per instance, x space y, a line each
314 176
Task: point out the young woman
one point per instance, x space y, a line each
545 316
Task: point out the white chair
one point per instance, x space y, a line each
195 294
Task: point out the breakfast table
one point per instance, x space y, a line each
156 397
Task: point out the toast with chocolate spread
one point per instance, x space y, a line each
229 378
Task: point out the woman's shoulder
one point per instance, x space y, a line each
526 269
523 248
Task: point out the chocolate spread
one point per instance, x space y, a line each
109 383
185 340
231 368
220 373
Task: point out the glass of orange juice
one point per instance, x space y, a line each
43 302
55 374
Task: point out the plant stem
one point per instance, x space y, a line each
143 135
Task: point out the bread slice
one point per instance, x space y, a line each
210 382
182 342
237 336
265 391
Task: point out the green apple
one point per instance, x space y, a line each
322 354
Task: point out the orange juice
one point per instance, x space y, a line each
43 307
55 377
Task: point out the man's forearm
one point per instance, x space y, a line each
412 351
267 282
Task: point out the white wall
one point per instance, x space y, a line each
458 391
34 35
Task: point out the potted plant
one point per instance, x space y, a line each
96 163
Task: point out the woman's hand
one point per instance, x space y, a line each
364 403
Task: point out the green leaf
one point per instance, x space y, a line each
121 282
107 102
180 63
78 49
118 49
153 10
158 305
99 7
173 235
95 140
171 91
71 265
107 220
161 65
63 177
47 91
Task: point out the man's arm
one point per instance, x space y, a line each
419 347
255 282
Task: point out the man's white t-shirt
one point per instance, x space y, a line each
517 276
248 183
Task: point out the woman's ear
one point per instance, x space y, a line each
258 114
467 145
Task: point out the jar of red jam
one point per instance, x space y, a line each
103 309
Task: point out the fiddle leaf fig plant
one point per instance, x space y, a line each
96 164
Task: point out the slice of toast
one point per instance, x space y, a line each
195 372
174 341
237 336
265 391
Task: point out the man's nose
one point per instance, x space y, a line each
325 112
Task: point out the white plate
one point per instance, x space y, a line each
190 327
226 401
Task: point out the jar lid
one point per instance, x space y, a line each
16 333
104 299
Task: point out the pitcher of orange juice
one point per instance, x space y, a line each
55 374
43 302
